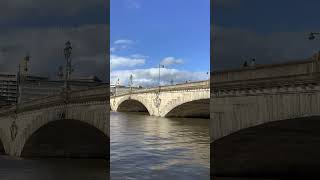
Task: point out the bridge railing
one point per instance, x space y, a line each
177 87
49 100
99 93
268 82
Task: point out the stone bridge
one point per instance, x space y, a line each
51 127
182 100
252 96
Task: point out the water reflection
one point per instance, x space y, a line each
148 147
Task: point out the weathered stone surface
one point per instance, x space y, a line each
185 100
262 121
89 107
251 96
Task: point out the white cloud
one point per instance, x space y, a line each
139 56
170 61
121 44
123 41
120 61
112 49
149 77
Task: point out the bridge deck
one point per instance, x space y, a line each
178 87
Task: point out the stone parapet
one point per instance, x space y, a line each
178 87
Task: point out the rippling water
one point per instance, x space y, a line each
52 169
148 147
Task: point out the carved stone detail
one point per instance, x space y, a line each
13 130
157 100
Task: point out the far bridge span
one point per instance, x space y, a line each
182 100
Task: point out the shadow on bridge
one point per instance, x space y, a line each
280 149
67 138
2 150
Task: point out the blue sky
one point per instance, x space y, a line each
144 33
271 31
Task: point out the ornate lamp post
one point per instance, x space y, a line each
117 84
18 86
67 55
131 82
316 56
160 66
21 76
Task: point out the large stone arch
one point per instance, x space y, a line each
94 114
193 109
230 114
131 105
292 144
137 97
183 98
67 138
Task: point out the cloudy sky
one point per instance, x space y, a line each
41 28
147 33
270 31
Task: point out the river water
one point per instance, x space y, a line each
142 147
52 169
148 147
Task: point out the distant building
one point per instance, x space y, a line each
3 101
8 88
33 87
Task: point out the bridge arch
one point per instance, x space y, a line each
48 132
290 143
198 102
66 138
198 108
258 123
133 103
